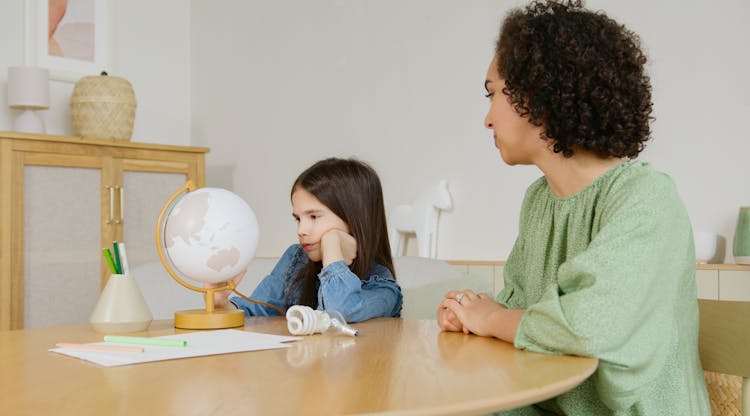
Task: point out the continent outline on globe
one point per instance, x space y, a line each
210 235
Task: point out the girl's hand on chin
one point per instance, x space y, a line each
337 245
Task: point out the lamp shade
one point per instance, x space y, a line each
28 87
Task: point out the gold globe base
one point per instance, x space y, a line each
200 319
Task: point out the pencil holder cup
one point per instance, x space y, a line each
121 307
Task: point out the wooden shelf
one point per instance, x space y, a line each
111 143
740 267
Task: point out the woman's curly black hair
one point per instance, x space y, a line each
579 74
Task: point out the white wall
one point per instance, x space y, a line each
272 85
278 84
151 50
700 59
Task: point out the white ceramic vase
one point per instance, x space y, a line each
706 246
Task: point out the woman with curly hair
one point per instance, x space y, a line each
604 264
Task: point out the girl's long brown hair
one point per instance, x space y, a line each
351 189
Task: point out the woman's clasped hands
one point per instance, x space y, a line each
469 312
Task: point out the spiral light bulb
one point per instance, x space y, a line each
304 320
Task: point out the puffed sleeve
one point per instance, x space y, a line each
357 300
616 299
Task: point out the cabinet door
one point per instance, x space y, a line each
144 194
61 251
734 285
63 199
707 283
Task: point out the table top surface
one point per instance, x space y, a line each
394 366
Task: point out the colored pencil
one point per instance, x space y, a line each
108 256
162 342
118 263
94 347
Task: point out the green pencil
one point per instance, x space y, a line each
108 256
118 263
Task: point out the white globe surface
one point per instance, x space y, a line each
211 235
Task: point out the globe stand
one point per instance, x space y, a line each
214 319
200 319
210 317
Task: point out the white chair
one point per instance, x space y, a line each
420 219
425 281
413 272
164 296
724 342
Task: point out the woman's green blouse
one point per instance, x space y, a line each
610 273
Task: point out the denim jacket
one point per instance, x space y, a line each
340 290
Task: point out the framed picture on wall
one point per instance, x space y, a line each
71 38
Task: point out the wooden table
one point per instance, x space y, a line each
394 366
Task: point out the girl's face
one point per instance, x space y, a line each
313 220
517 140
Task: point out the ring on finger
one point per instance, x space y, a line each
459 297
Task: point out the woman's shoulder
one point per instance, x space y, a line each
640 179
641 171
537 185
639 191
625 185
537 188
633 174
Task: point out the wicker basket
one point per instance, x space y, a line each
103 107
725 393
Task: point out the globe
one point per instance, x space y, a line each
210 235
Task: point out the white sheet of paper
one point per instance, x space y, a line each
201 343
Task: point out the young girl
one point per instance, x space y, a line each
343 259
604 264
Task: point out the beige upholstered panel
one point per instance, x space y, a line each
61 245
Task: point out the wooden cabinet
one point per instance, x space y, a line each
64 198
723 281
